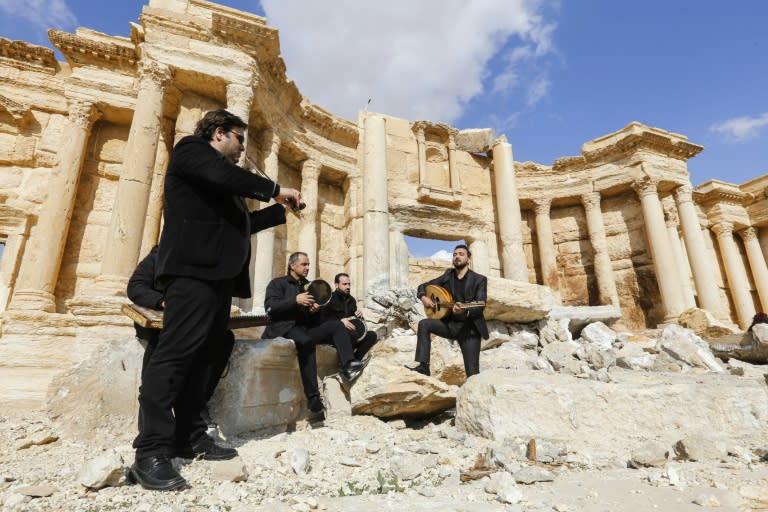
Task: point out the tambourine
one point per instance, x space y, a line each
321 291
360 329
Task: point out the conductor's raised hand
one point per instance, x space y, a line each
290 197
305 299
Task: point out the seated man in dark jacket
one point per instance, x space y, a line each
343 306
465 325
143 291
291 311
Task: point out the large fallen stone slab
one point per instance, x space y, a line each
617 417
262 388
751 346
580 316
704 324
516 301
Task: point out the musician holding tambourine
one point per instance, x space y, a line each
454 304
343 306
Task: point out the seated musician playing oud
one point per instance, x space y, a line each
292 315
465 325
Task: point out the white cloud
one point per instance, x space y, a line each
741 128
442 254
538 90
43 14
417 60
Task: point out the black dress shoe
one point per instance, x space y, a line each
206 449
421 368
354 368
156 473
315 404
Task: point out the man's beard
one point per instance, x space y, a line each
458 265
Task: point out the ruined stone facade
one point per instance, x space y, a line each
84 145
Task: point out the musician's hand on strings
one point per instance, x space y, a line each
349 325
359 313
305 299
290 197
427 302
457 309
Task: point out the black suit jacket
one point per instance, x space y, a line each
280 304
475 289
142 291
207 227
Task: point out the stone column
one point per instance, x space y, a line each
121 251
661 252
738 282
546 243
677 252
399 257
376 205
453 169
701 265
513 260
40 265
479 249
421 142
606 284
756 264
263 244
310 174
239 100
151 235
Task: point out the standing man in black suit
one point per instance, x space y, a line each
464 325
293 314
202 263
343 306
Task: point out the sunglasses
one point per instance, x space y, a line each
240 137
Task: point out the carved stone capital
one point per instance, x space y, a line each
671 218
542 206
646 186
154 75
310 169
83 113
722 229
591 201
420 138
684 194
239 97
749 234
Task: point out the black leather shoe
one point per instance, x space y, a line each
421 368
315 404
206 449
354 368
156 473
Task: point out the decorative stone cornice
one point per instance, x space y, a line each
81 50
332 127
17 110
251 33
591 201
714 191
569 164
635 137
27 56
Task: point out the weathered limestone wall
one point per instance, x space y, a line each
84 145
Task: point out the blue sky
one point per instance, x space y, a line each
550 75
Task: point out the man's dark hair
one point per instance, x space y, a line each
339 276
293 258
463 246
215 119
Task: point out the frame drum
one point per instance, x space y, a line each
321 291
360 329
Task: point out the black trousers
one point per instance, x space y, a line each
464 332
363 346
176 376
331 332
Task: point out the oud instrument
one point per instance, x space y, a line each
443 302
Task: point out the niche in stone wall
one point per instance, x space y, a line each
333 249
438 173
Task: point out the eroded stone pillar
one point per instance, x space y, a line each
239 100
738 283
41 261
398 259
606 284
677 252
546 243
513 260
121 251
421 143
701 265
263 244
661 252
376 204
756 264
479 248
310 174
453 168
151 234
